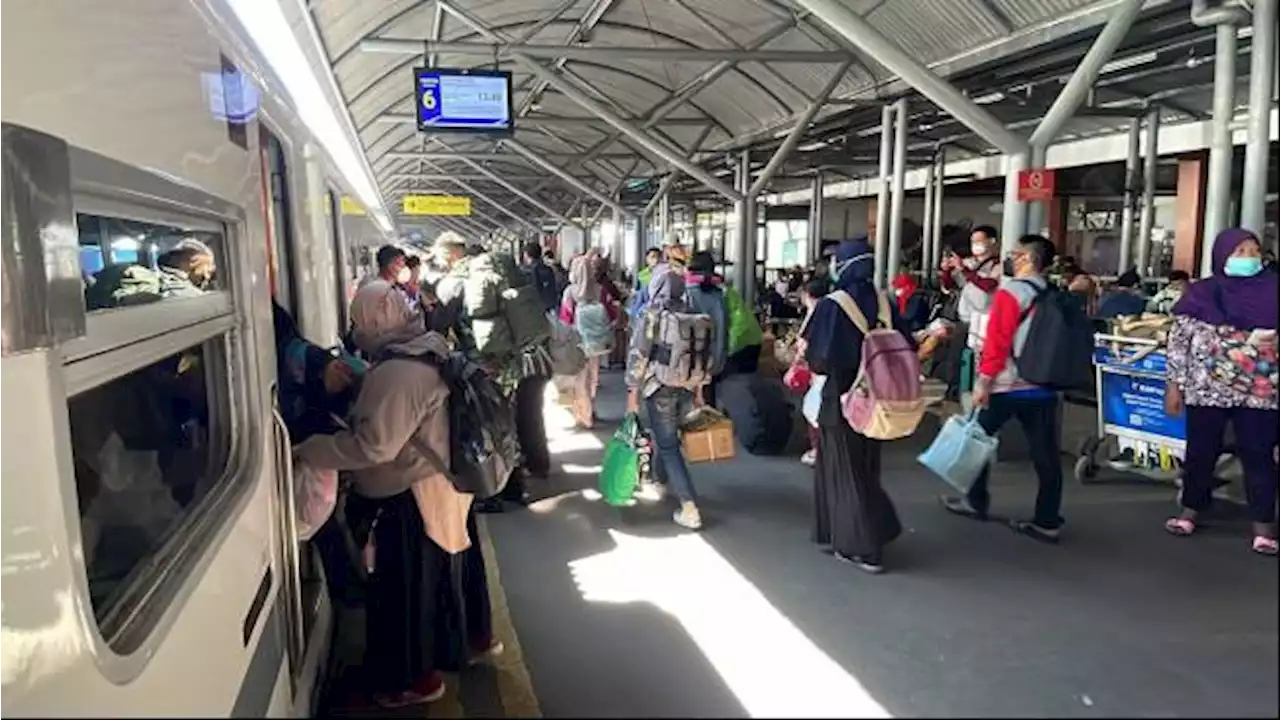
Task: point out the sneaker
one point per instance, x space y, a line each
810 457
867 564
428 689
960 506
485 651
1036 532
688 517
651 491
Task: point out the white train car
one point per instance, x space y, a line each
149 566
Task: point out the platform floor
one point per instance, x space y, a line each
616 612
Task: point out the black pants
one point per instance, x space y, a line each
1255 432
401 640
465 616
1039 420
531 431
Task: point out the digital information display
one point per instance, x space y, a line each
463 100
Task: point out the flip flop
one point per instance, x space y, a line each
1180 526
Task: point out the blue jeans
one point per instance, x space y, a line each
666 408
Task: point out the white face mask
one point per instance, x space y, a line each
404 275
979 249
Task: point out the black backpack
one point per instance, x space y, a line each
1058 352
482 430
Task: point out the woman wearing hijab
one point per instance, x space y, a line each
852 513
584 292
421 524
665 406
1222 368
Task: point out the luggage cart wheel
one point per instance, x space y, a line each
1086 469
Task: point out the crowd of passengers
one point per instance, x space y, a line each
371 409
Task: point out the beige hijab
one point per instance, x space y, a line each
583 285
382 320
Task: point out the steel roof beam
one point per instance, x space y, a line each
545 120
871 41
802 126
550 211
464 176
404 46
537 159
410 155
626 127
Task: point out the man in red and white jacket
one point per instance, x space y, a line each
1001 394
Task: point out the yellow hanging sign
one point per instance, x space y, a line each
351 207
437 205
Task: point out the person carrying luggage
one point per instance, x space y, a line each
668 361
587 308
1001 393
853 515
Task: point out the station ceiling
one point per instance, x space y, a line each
1011 56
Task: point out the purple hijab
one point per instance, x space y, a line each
1246 303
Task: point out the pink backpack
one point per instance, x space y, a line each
884 402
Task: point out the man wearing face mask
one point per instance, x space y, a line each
1001 394
975 278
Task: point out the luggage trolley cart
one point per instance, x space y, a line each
1130 377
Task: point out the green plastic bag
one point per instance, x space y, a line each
620 471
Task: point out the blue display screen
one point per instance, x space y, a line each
449 100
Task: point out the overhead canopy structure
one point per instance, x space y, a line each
654 88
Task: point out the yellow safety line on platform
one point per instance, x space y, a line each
515 688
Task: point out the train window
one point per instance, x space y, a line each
125 262
150 448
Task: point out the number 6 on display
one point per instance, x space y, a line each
429 100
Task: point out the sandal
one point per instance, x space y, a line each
1180 526
1264 545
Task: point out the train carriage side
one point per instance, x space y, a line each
148 561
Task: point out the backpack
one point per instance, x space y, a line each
122 286
543 278
884 402
1058 351
504 310
591 320
679 348
482 429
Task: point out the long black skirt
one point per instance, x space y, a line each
403 596
464 621
852 512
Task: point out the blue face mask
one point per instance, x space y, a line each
1242 266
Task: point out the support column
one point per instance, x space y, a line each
1130 195
1147 215
940 183
744 250
664 218
1014 224
1036 211
1189 209
882 199
1217 209
891 263
640 244
926 226
1262 80
815 217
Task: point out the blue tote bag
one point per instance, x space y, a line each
960 451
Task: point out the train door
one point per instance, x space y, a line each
341 255
306 602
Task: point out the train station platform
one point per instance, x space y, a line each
611 612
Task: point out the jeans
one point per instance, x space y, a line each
666 409
1038 417
1256 432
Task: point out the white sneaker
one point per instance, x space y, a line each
810 457
688 517
651 491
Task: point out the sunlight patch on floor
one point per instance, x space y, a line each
766 661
